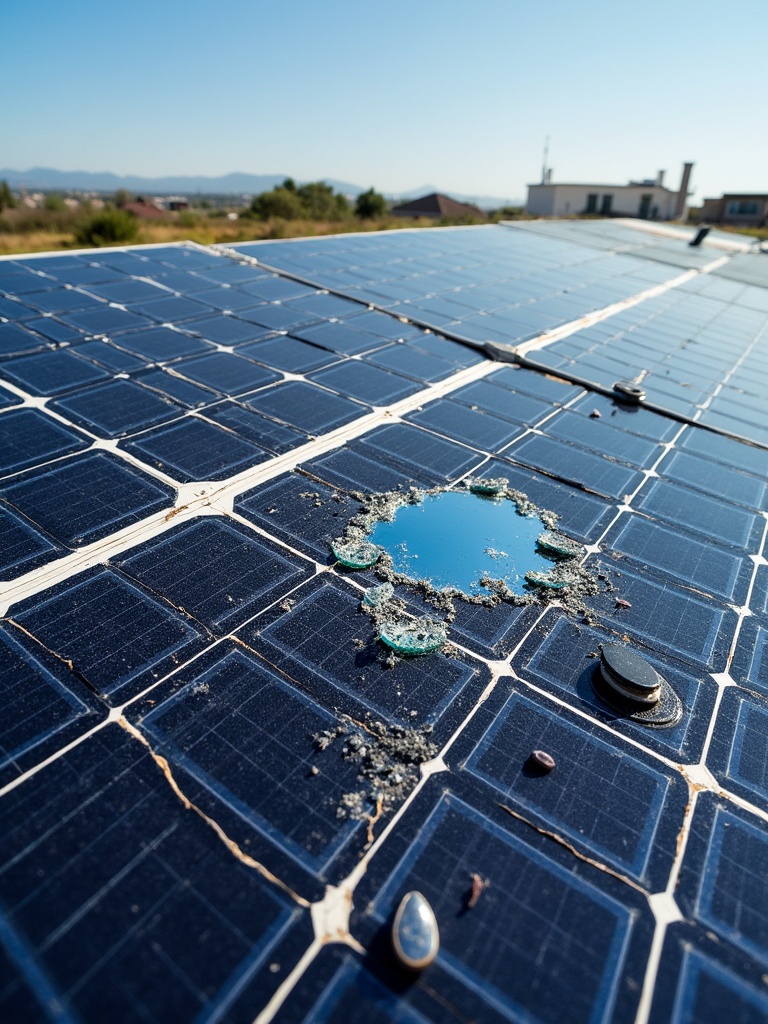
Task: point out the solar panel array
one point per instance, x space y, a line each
182 432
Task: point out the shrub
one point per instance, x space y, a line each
107 227
370 204
7 198
280 202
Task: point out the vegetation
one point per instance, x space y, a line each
314 201
109 226
288 211
7 200
370 204
122 197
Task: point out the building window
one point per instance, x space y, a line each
592 203
743 208
606 204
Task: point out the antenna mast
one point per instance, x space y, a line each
544 161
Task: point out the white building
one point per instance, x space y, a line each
649 200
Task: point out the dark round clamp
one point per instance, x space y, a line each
629 684
626 391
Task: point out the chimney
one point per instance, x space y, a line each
660 178
682 196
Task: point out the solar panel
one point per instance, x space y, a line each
188 674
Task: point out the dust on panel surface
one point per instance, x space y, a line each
184 431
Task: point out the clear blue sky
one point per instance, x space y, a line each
459 95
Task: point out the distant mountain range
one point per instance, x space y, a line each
237 183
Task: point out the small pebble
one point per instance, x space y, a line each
595 414
542 760
314 770
415 935
621 603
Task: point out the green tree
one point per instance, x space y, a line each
7 198
109 226
370 204
280 202
321 202
54 202
122 197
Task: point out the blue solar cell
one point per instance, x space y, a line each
676 556
217 571
411 362
635 796
51 373
568 463
266 433
109 356
128 290
344 338
13 309
226 373
116 409
323 305
739 752
366 383
86 497
17 280
552 389
224 330
501 402
224 297
22 546
276 317
29 438
306 407
162 344
571 942
694 511
87 274
289 354
473 427
194 449
355 469
560 657
438 460
7 399
125 866
713 478
191 396
315 642
225 271
306 516
41 709
630 418
106 320
16 340
727 850
603 438
670 618
274 289
459 355
118 637
169 309
240 729
63 300
694 986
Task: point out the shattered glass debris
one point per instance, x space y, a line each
423 636
355 554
